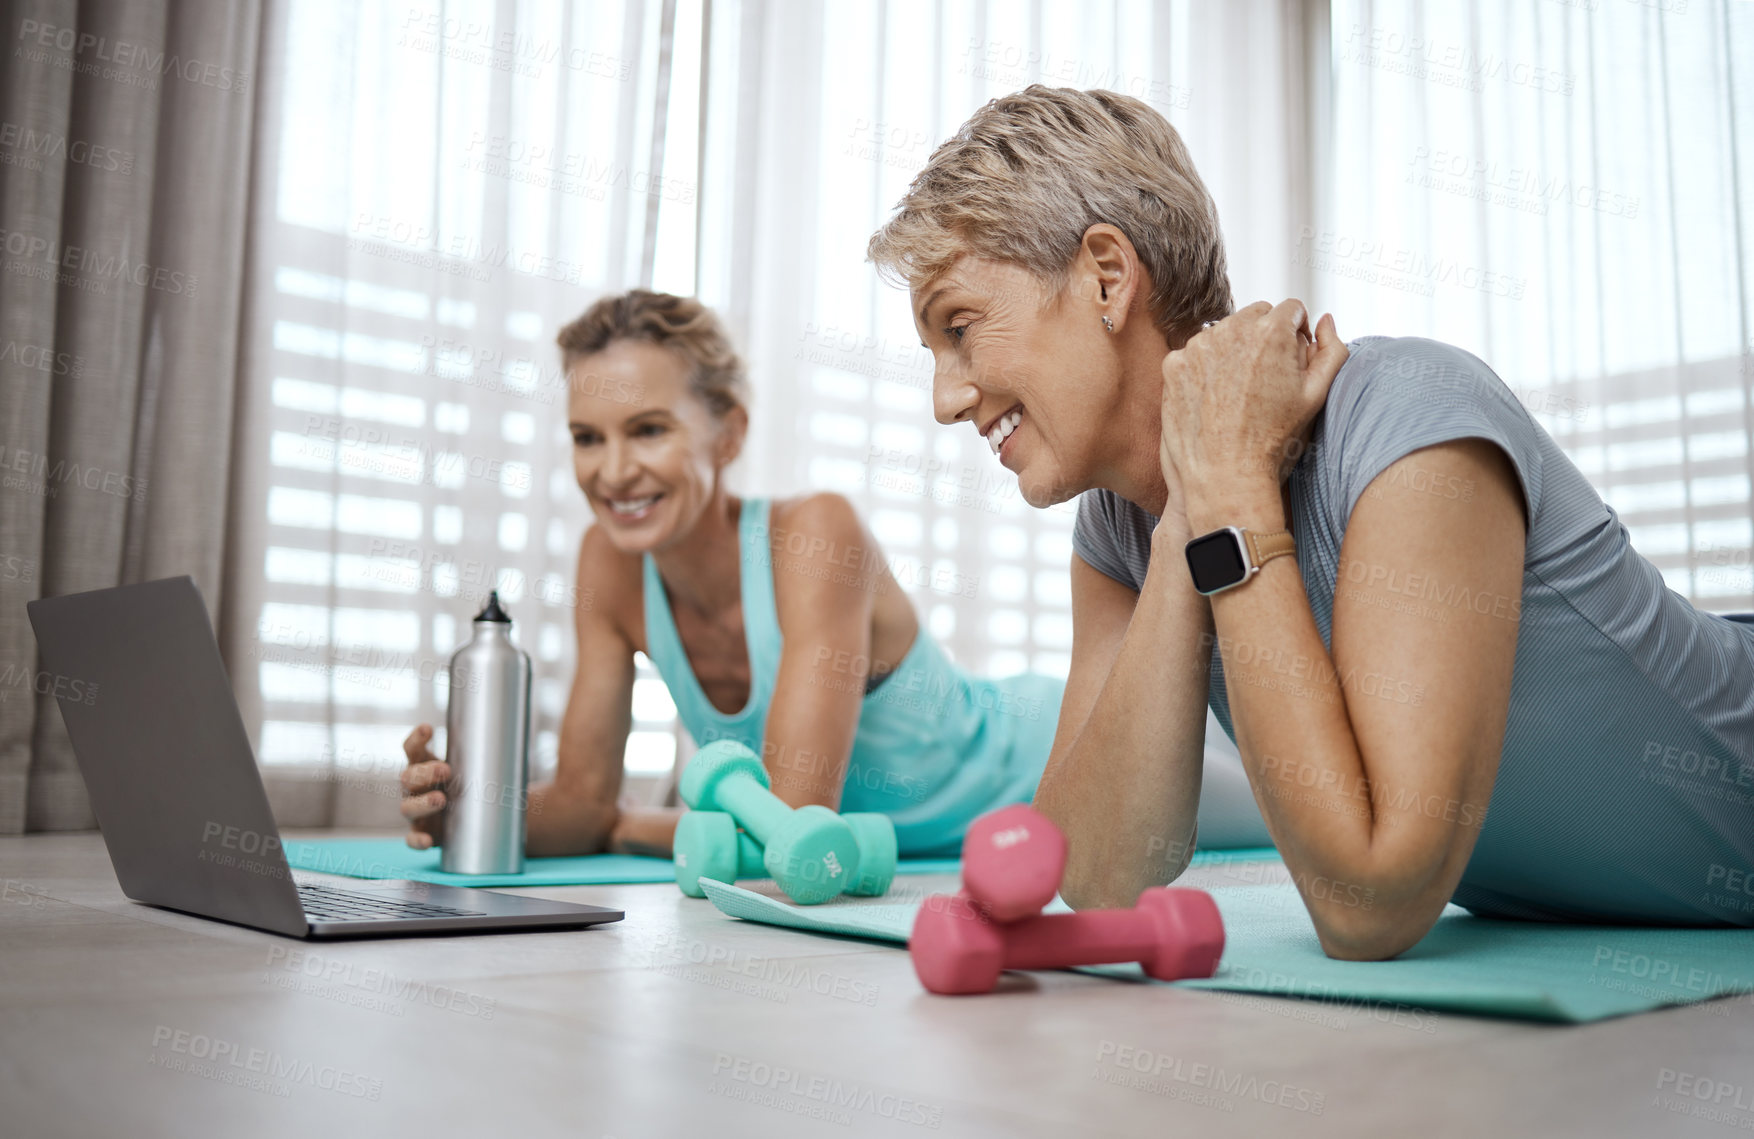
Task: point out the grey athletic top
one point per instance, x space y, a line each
1625 788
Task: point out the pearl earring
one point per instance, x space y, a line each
1107 323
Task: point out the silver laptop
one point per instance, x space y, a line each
174 784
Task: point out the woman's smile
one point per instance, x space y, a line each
1003 427
629 510
1006 448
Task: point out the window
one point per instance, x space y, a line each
447 191
1559 189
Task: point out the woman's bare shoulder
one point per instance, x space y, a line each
821 514
821 548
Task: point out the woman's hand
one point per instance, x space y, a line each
1237 398
423 795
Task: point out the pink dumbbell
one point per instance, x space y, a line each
1012 862
1173 933
959 946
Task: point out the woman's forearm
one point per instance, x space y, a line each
1127 789
645 830
1373 761
1367 880
560 821
1292 726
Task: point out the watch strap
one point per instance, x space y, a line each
1263 548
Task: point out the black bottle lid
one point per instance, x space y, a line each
492 611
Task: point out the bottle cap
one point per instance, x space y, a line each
492 611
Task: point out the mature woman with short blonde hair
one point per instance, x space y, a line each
1397 594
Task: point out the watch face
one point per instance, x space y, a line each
1216 561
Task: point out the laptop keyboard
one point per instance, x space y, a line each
322 903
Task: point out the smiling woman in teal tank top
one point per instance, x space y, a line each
934 747
775 623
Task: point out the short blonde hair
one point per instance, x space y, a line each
681 324
1030 172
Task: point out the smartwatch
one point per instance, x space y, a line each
1228 557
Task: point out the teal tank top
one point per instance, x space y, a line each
935 747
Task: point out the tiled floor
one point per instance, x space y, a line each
119 1019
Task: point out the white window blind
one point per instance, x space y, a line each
1565 191
446 187
852 99
451 184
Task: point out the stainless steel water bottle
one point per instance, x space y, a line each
487 745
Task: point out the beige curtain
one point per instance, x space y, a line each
125 134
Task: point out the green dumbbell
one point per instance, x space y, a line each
810 852
709 845
877 852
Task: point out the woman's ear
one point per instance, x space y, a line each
1111 272
733 429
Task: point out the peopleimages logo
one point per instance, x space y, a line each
1705 765
214 1057
1427 587
1663 971
757 1075
770 978
134 63
21 140
1517 187
31 471
380 982
1718 1093
38 358
93 265
1156 1067
458 254
1391 266
45 684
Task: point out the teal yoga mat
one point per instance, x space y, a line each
393 858
1526 970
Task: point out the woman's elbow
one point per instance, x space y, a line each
1085 891
1096 895
1115 886
1365 933
1378 908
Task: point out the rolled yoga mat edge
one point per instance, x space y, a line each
394 858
